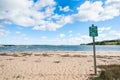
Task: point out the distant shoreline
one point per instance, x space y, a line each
106 42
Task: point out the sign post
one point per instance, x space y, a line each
93 32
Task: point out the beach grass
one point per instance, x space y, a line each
109 72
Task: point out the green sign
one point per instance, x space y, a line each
93 32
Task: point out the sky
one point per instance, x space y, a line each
57 22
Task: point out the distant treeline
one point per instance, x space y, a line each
106 42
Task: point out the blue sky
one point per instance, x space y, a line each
57 22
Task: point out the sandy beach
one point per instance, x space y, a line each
52 65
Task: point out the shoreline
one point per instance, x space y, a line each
59 51
71 52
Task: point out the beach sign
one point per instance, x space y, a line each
93 32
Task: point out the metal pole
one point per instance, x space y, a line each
94 55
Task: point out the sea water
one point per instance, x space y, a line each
37 48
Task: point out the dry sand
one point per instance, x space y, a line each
52 65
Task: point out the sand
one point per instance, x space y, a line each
52 65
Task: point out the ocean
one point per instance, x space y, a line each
37 48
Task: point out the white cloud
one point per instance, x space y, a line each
3 32
47 25
27 13
41 16
94 11
14 4
52 26
107 34
65 20
76 39
113 3
62 35
16 11
101 29
43 3
65 9
92 8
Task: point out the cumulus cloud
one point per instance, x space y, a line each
16 11
64 9
92 8
41 4
95 11
41 16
